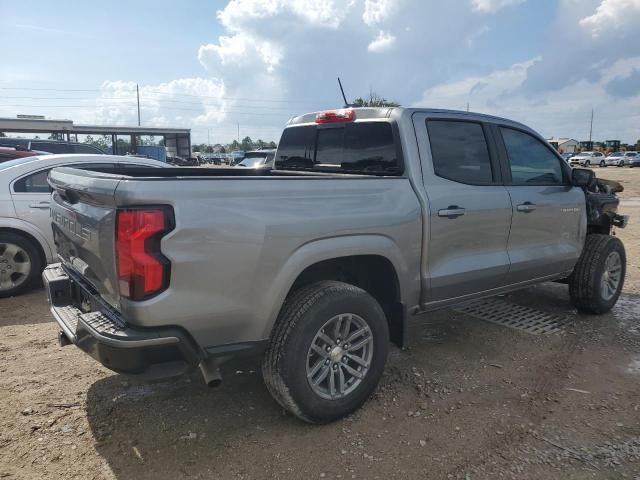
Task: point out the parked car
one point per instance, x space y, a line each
11 153
257 159
586 159
567 156
629 156
322 260
616 159
50 146
26 238
634 160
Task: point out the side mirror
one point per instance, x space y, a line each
582 177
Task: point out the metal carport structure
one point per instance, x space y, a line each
177 140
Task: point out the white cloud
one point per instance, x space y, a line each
383 42
561 112
183 102
489 6
377 12
612 15
240 49
474 35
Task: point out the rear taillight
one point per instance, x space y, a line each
336 116
142 270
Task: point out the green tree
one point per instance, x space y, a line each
233 146
374 100
272 144
247 144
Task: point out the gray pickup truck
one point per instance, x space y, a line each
370 216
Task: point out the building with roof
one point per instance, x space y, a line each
564 145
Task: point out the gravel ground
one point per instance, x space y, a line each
467 400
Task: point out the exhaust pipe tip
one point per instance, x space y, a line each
211 373
216 382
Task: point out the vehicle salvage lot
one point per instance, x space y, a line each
467 399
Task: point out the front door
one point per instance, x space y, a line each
549 218
469 209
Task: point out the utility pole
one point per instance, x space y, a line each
591 126
208 142
238 133
467 106
138 97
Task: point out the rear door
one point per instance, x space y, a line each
469 208
547 231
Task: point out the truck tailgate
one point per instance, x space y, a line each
83 215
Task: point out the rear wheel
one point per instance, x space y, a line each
621 164
20 264
602 164
598 277
328 351
587 163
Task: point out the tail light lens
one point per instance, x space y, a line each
142 270
335 116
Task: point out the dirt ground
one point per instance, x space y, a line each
467 400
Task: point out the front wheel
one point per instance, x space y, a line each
598 277
327 352
602 164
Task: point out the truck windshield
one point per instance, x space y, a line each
361 147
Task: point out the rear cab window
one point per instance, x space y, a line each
365 147
460 152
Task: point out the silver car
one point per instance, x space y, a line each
631 158
26 238
615 159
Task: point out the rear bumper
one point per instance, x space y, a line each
100 332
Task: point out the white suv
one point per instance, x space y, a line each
587 159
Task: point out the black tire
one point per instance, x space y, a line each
602 164
304 313
34 259
621 163
587 163
587 277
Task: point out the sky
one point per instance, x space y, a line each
247 66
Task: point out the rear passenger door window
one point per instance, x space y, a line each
459 151
531 161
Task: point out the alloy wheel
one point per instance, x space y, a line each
340 356
611 276
15 266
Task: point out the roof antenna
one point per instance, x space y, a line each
344 97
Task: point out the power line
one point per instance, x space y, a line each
158 92
164 108
134 99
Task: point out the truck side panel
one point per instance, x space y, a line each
238 245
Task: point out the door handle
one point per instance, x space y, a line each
42 205
452 211
526 207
